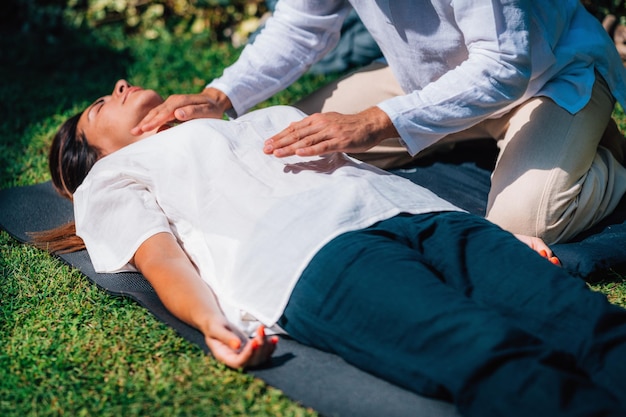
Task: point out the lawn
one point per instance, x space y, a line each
67 348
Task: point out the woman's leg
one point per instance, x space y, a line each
551 179
505 275
384 306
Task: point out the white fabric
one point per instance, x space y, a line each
250 222
460 61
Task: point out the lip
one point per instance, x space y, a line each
129 91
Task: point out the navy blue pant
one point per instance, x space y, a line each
450 306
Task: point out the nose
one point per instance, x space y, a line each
120 87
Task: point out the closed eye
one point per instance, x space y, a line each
98 105
95 108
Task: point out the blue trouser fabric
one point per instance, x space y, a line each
450 306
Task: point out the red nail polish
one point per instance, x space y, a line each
255 344
543 253
274 340
235 344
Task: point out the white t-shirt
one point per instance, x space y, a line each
459 61
249 222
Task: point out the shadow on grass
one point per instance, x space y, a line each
46 74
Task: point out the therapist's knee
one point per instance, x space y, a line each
555 206
534 211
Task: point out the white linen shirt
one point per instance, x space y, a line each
459 61
249 222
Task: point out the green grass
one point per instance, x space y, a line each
67 348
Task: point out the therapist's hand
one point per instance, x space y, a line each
210 103
322 133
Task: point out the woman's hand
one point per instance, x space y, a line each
323 133
539 246
230 347
210 103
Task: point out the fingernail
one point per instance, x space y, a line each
179 114
274 340
261 331
235 344
543 253
255 344
268 149
555 260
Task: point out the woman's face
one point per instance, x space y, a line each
107 122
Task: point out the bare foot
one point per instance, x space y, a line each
539 246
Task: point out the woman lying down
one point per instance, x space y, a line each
340 256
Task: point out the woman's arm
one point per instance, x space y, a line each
183 292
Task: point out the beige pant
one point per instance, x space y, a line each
552 179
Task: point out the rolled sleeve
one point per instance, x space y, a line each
495 74
299 34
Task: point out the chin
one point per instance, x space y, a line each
148 102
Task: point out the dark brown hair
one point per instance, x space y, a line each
62 239
70 159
